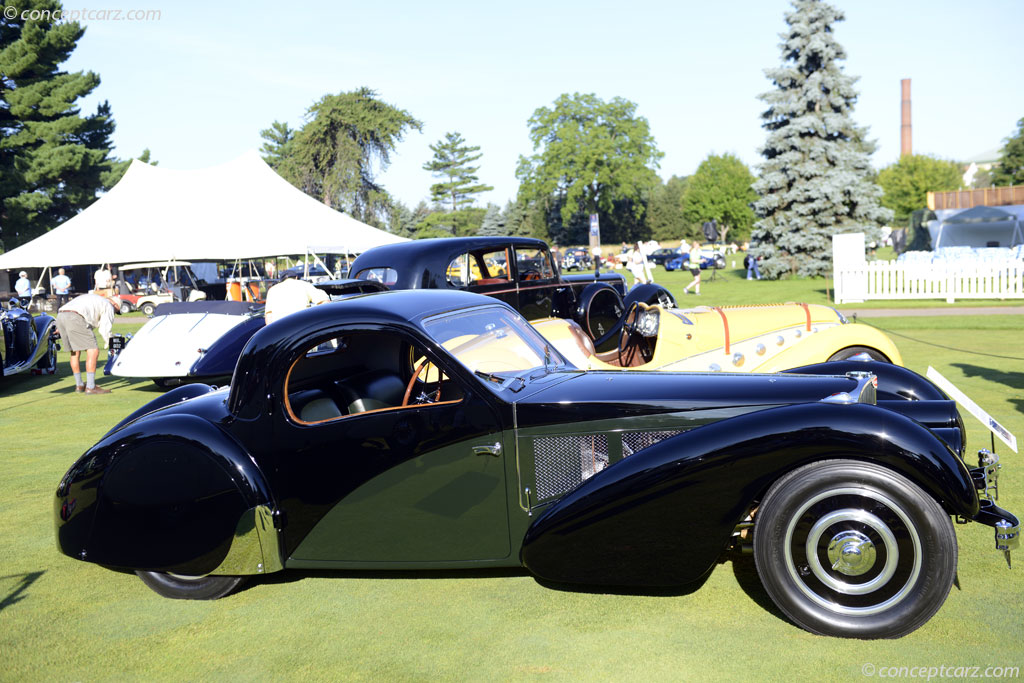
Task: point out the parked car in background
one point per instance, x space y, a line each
439 430
199 341
663 255
517 270
28 342
577 258
710 257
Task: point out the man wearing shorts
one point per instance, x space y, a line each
76 321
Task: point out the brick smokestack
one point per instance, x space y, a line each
905 146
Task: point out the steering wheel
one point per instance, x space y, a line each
628 337
422 398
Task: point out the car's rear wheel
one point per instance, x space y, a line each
852 549
852 353
181 587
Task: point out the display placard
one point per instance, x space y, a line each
970 406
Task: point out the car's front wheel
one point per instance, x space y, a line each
852 549
181 587
147 309
48 363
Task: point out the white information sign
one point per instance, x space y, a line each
970 406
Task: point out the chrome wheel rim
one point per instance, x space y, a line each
852 551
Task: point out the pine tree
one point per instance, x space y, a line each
52 160
1010 170
816 180
276 139
451 163
492 225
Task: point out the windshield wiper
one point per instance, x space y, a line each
490 377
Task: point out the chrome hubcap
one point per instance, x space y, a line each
851 552
861 553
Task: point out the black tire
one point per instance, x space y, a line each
147 309
167 382
894 547
48 363
851 351
190 587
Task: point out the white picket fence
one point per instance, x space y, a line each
892 280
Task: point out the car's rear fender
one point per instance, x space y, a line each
663 516
172 493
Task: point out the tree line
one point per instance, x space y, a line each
589 156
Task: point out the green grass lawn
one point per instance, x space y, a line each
61 619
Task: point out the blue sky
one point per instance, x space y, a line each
197 85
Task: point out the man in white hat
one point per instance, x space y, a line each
23 288
76 321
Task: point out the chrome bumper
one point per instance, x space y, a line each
986 480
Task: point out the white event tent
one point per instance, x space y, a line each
237 210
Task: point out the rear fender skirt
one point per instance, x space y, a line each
172 493
663 516
894 382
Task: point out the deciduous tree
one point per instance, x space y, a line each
591 156
451 163
52 159
908 182
816 179
722 190
664 215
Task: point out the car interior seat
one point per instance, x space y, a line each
371 390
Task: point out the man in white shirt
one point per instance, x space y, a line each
101 279
23 288
76 321
61 285
292 295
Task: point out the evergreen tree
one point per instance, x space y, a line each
336 155
816 180
52 159
119 167
1010 170
276 141
492 225
451 163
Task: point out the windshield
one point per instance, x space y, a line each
495 343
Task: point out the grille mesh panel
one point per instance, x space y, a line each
637 441
563 462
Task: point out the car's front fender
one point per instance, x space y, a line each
662 516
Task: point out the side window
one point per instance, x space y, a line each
361 373
478 268
459 272
387 276
534 264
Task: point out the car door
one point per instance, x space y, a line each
384 482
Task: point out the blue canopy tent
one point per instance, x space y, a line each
982 226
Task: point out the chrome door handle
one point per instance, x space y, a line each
488 449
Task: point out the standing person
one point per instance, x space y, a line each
61 285
76 321
290 296
23 288
101 280
638 266
694 265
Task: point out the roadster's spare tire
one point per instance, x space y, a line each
190 587
852 549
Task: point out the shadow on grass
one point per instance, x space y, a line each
294 575
17 594
1014 380
745 572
